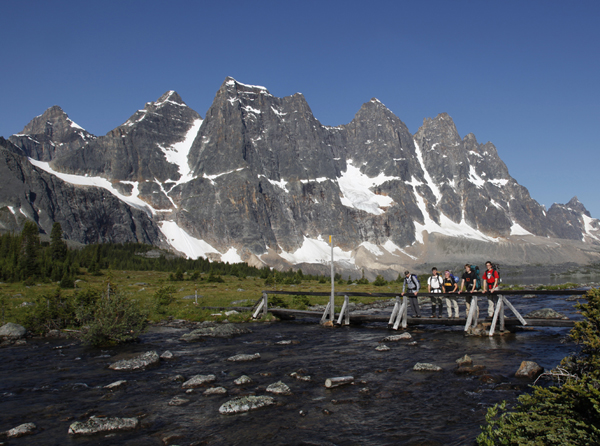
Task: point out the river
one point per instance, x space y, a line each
56 382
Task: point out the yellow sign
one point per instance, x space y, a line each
330 240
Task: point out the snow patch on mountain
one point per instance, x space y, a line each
184 242
231 256
356 190
178 153
392 248
317 251
428 179
446 226
517 229
80 180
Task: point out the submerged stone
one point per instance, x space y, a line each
21 430
426 367
198 380
244 357
546 313
279 388
529 369
244 379
382 348
215 391
139 362
395 338
97 425
215 331
246 404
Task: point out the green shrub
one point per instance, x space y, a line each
300 302
163 297
52 311
277 301
116 319
380 281
567 414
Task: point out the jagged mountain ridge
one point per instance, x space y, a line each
261 180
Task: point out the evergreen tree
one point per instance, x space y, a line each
58 247
30 245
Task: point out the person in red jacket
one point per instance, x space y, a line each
490 283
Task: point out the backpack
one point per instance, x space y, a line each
475 269
414 279
455 278
496 267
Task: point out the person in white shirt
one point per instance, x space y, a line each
434 285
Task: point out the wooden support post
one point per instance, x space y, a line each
325 314
259 308
501 302
265 304
497 311
402 314
394 311
347 302
476 318
405 312
471 314
509 305
332 298
344 312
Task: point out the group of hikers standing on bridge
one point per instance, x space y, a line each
448 284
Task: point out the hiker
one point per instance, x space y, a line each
469 281
434 285
490 282
411 285
450 286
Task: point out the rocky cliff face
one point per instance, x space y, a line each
51 135
261 180
86 214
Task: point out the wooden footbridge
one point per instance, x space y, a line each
399 316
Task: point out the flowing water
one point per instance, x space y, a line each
56 382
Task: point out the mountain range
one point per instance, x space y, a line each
261 180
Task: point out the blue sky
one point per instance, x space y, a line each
521 74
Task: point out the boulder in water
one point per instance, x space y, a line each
12 331
212 330
426 367
246 404
529 369
21 430
395 338
243 357
98 425
139 362
198 380
279 388
546 313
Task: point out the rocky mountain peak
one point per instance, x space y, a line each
577 206
50 135
440 129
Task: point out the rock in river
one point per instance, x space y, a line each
139 362
212 330
12 331
244 379
546 313
244 357
279 388
245 404
529 369
97 425
426 367
21 430
395 338
198 380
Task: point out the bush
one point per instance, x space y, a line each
52 311
379 281
116 319
300 302
163 298
568 414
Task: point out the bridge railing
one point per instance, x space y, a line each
399 316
